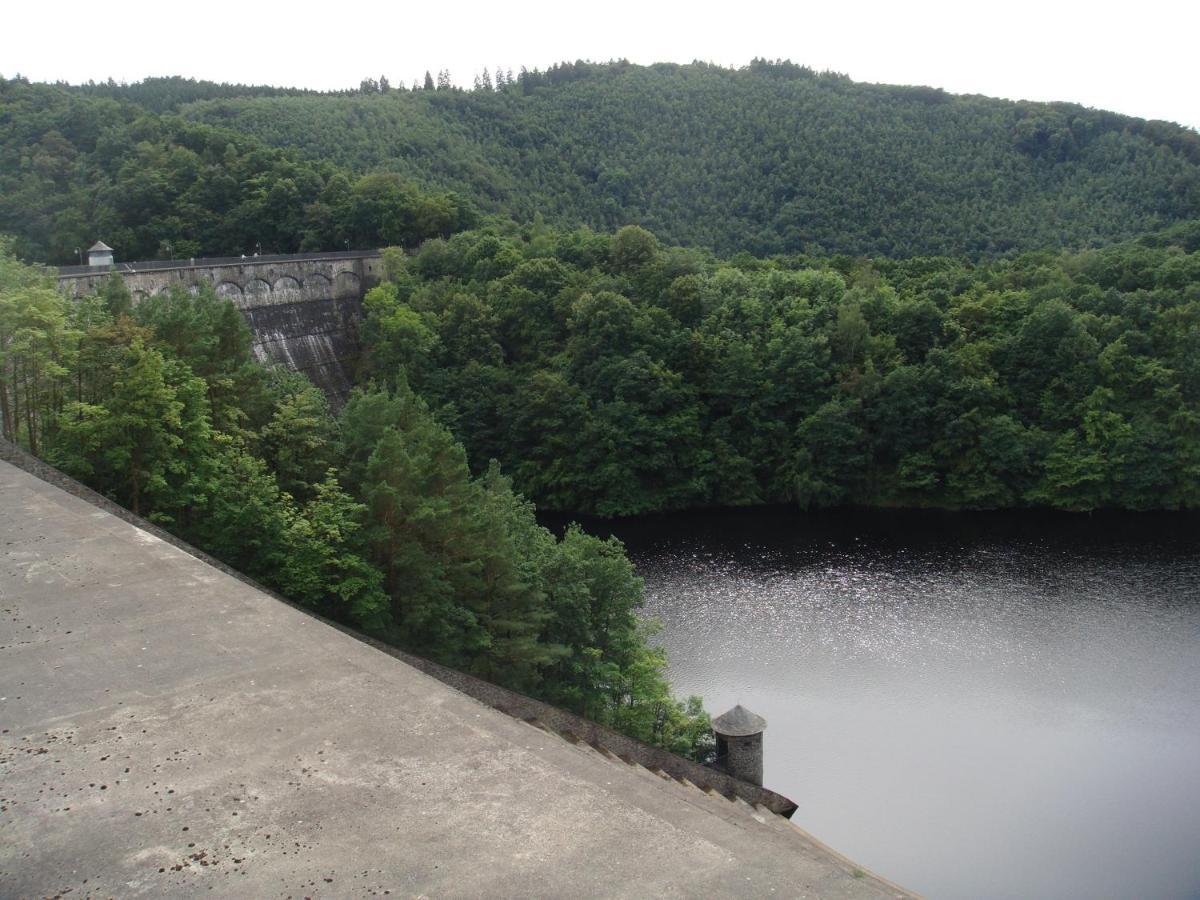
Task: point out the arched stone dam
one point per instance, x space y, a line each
304 309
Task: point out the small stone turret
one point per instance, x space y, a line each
100 254
740 743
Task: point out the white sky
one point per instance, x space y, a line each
1136 57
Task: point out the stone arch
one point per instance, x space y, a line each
286 289
316 280
138 296
347 284
257 287
229 289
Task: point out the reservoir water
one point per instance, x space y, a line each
975 706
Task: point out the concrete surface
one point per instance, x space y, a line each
168 730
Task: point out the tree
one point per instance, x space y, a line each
145 442
211 336
325 566
35 342
417 492
300 441
633 248
831 459
512 609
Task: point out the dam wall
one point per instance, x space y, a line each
171 729
304 309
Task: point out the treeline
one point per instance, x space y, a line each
772 158
77 166
372 518
611 375
167 94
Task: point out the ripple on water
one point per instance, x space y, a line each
970 713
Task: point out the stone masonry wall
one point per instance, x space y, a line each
745 757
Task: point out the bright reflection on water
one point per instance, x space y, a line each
973 706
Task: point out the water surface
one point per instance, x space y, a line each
973 705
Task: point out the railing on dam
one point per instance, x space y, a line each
208 262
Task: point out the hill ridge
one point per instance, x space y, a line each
772 158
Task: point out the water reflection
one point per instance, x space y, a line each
973 706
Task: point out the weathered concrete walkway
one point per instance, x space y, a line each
169 730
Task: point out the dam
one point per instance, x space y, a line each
169 728
304 309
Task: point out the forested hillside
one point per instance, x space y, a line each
770 159
773 158
611 375
77 165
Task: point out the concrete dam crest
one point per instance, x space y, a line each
303 309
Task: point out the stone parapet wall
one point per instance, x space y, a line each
248 283
568 724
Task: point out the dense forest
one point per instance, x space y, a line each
77 165
372 518
611 375
771 158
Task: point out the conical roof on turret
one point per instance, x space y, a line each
739 722
99 247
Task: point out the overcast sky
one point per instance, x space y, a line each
1136 57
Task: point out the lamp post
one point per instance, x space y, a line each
79 255
258 248
170 249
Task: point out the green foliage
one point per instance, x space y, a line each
35 344
326 565
300 440
477 584
143 442
79 163
612 375
770 158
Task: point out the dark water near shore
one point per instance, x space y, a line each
972 705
